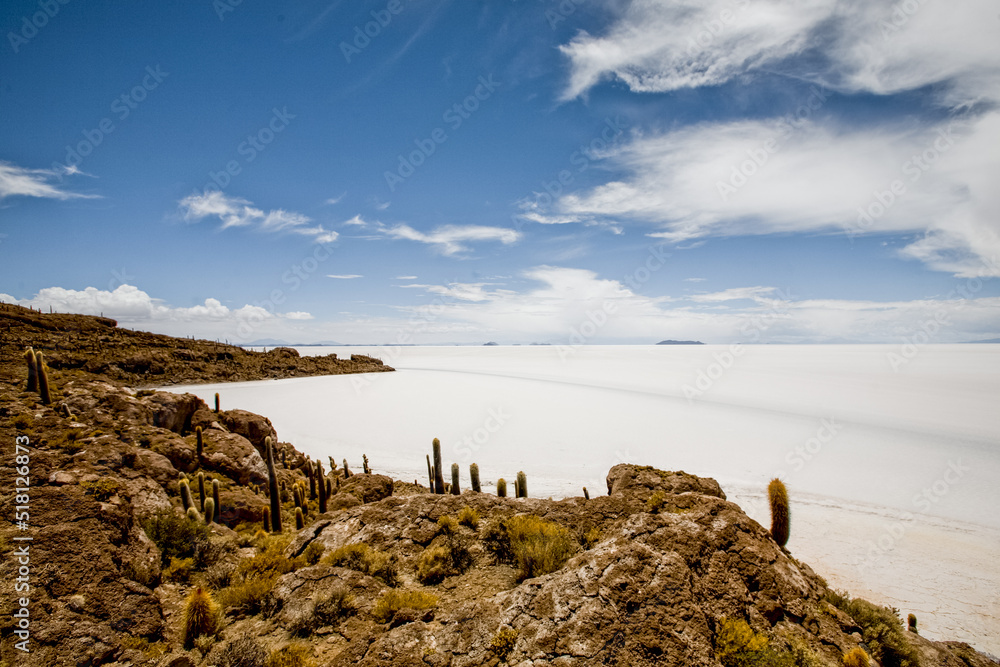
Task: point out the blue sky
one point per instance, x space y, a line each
430 172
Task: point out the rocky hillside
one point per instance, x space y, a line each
662 570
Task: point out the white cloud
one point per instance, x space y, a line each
734 294
298 315
453 239
349 276
237 212
15 180
695 280
852 45
406 277
334 200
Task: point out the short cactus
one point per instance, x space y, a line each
430 474
272 486
522 485
201 616
911 623
209 510
364 464
185 495
438 470
329 487
218 503
474 474
43 378
200 446
300 520
501 488
267 520
192 514
778 496
586 494
455 490
29 358
347 471
201 491
216 401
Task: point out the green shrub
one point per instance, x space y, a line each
433 565
656 502
503 642
737 645
538 546
881 629
23 422
364 559
313 553
328 609
590 537
244 651
254 577
856 657
175 534
179 570
102 489
468 517
392 601
447 525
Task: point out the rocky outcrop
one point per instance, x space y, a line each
251 426
367 488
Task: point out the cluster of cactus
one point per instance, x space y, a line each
778 497
38 375
272 485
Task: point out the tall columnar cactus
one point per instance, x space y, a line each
312 480
296 498
455 490
777 494
218 503
267 520
272 485
586 494
201 616
438 469
364 464
300 520
329 487
474 474
209 510
216 401
29 358
284 459
43 378
200 446
201 491
501 488
321 482
430 474
185 495
522 485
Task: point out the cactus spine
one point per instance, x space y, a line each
200 447
201 491
777 494
501 488
43 378
272 485
267 520
321 482
438 470
209 510
522 485
300 520
455 491
29 357
218 503
185 495
364 464
201 616
474 474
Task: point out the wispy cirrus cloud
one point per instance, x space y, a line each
238 212
452 240
345 276
22 181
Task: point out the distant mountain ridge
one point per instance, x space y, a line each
680 342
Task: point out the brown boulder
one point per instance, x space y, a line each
367 488
231 455
251 426
172 411
645 480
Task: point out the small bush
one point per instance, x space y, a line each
881 629
856 658
329 609
469 517
220 575
102 489
433 565
364 559
496 541
392 601
139 572
179 570
503 642
247 596
447 525
175 534
539 547
656 502
313 553
243 651
23 422
293 655
590 538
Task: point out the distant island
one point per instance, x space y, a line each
680 342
